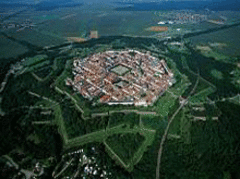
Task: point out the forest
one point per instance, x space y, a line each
212 151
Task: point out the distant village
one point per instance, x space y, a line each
188 16
184 17
126 77
18 26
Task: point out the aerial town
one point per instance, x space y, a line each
193 17
125 77
180 17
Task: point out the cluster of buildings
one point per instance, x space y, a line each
185 17
93 34
126 77
18 26
190 17
85 165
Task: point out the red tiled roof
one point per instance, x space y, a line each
95 71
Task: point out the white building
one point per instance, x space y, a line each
161 22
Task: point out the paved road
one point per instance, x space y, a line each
166 130
66 166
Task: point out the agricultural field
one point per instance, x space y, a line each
16 48
215 52
54 27
230 37
37 95
31 36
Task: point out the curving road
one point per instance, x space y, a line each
166 130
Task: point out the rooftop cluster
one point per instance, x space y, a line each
121 77
185 16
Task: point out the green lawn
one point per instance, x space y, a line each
34 60
180 87
216 55
164 104
103 136
98 136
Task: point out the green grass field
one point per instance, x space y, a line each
201 96
229 37
102 136
60 123
36 38
34 60
164 104
179 88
